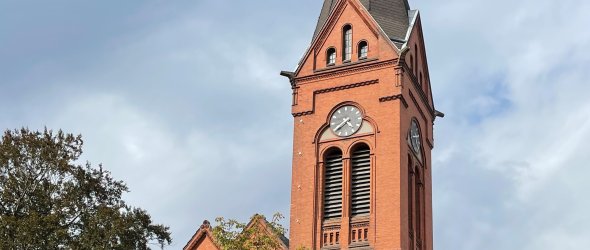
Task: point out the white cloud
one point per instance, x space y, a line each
531 151
171 110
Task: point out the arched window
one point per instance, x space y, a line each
363 50
412 62
361 180
347 43
331 56
333 184
411 199
418 208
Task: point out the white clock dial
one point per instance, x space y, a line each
346 121
415 139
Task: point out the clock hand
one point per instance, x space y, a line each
349 124
342 124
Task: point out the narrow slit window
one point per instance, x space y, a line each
420 81
416 61
363 50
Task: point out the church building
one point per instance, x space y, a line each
363 131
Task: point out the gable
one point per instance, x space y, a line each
202 239
259 225
206 243
391 15
416 58
331 35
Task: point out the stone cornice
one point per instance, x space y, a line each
345 70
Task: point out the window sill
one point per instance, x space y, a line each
332 222
334 67
359 245
360 218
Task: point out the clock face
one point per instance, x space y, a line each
346 121
415 137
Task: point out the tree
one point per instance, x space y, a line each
258 234
49 201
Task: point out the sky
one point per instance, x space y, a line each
182 100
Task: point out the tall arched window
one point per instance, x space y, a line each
411 199
347 43
410 192
361 180
333 184
363 50
418 200
331 56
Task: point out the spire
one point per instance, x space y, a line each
391 15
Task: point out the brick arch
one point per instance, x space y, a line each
328 149
357 143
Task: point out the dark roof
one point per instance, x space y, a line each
391 15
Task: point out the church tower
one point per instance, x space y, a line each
363 131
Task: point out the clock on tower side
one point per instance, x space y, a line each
363 131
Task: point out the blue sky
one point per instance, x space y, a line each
183 99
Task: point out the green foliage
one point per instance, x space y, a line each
234 235
48 201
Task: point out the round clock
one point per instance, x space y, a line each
346 121
415 137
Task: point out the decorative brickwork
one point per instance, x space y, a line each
334 89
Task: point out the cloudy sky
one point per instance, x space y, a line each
183 101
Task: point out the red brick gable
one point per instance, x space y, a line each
346 12
204 238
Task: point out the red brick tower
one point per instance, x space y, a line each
363 120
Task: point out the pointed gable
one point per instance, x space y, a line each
202 239
261 225
391 15
345 13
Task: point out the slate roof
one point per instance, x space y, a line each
391 15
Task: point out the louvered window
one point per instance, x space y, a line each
361 181
333 185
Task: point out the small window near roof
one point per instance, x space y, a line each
331 55
363 50
347 43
